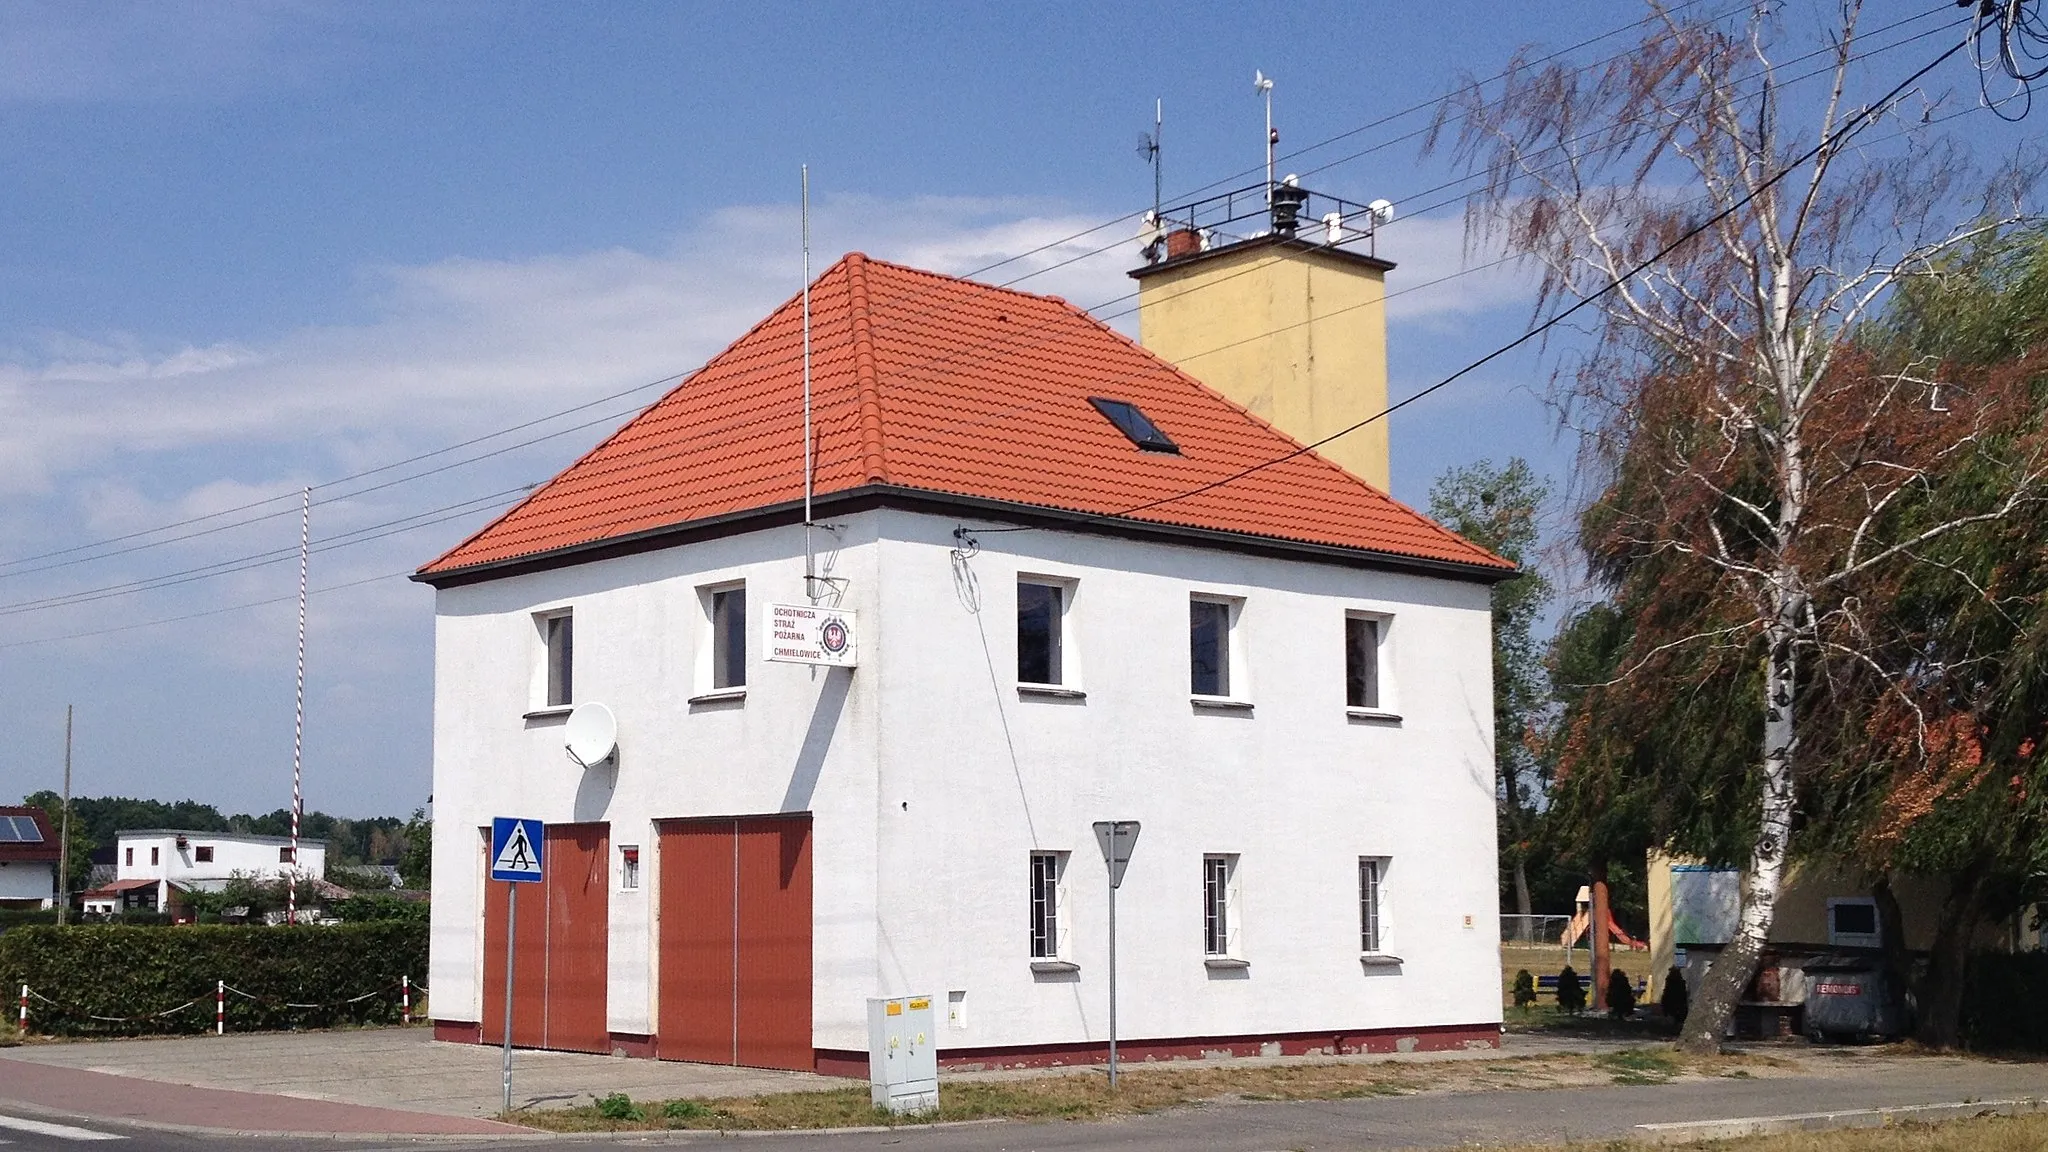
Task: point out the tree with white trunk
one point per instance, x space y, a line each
1729 212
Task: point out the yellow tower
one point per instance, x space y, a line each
1294 330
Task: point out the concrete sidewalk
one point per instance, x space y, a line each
79 1092
397 1068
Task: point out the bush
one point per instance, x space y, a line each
1621 995
1571 995
1675 1000
2005 1002
1525 989
378 908
145 975
619 1106
20 917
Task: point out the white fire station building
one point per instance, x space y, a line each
1057 581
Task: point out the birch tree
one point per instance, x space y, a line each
1767 460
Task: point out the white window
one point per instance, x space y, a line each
558 658
629 867
155 854
1852 922
1364 638
203 854
1041 631
722 656
1212 643
1219 904
1372 871
1048 890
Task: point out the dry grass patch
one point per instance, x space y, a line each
1085 1094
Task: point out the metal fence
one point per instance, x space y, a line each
1518 929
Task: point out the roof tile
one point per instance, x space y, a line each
935 383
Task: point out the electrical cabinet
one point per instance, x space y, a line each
903 1054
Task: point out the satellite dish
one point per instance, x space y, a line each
1382 210
591 734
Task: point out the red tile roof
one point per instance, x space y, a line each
30 851
941 385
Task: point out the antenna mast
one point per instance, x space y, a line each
810 462
1158 157
1263 85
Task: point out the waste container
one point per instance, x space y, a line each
1851 999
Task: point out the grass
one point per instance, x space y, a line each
1085 1095
1982 1134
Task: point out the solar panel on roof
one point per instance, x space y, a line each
1132 422
26 826
7 833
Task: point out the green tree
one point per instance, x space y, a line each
1498 508
1744 447
416 867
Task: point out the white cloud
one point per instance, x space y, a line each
1438 280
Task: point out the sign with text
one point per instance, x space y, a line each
811 634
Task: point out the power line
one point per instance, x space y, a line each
1854 124
259 560
16 562
466 507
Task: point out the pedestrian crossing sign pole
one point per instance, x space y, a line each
516 847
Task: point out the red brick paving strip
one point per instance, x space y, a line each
103 1096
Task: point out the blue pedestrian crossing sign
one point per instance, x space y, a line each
515 849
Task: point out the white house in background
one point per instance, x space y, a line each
151 865
28 858
1285 677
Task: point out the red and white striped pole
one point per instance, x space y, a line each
220 1007
405 998
24 1010
291 897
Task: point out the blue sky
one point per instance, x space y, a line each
250 247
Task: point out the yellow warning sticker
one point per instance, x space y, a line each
920 1004
893 1009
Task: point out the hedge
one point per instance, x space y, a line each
144 975
2005 1002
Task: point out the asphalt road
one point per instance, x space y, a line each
1322 1126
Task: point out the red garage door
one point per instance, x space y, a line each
735 940
558 990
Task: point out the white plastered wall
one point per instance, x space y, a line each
931 778
800 740
1296 787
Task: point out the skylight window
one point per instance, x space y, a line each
1132 421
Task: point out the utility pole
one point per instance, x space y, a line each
64 832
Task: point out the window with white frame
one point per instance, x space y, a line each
558 647
728 612
1362 637
1372 873
1853 922
1048 876
1210 620
629 867
1041 626
1219 879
